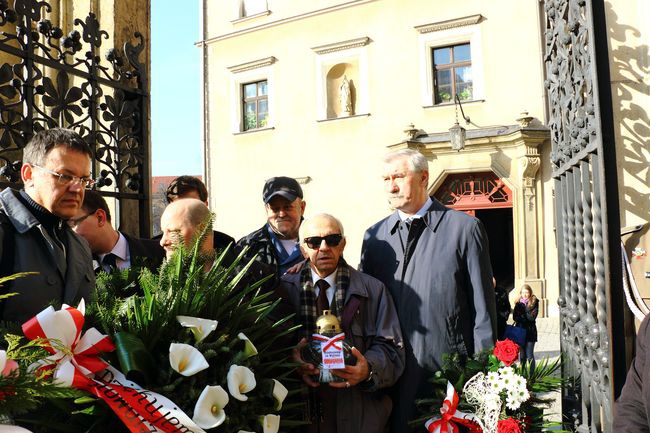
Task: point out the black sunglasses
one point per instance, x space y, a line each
314 242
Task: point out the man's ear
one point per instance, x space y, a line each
302 207
26 173
425 178
101 217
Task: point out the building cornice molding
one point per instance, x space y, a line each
255 64
343 45
449 24
348 4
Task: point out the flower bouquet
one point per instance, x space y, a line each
491 393
194 350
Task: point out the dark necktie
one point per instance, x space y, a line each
109 262
322 303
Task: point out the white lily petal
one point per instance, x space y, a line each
279 393
249 347
186 359
240 381
208 411
271 423
201 328
3 359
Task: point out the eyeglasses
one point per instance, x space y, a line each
314 242
66 179
74 222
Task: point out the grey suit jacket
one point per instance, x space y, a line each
444 295
59 279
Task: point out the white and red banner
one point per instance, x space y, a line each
331 350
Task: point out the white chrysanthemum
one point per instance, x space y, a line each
201 328
271 423
494 382
240 381
208 411
186 359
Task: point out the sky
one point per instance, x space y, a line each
176 135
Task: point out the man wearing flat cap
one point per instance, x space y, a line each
276 243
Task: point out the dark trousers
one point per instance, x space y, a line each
527 354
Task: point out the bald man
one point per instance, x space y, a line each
182 221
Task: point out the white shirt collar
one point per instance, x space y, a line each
121 249
419 214
331 279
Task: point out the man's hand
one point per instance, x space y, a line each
353 374
296 268
305 369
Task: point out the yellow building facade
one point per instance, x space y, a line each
321 90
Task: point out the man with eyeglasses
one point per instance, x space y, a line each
368 318
436 263
34 236
111 248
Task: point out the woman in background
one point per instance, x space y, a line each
524 315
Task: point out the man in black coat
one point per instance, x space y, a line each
111 248
33 234
435 262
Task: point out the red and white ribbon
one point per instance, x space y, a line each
451 417
74 356
333 342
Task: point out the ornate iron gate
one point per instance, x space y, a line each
49 79
587 214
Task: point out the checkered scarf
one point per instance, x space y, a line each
308 296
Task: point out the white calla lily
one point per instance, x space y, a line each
186 359
240 381
271 423
249 347
201 328
279 393
208 411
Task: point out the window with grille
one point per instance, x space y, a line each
452 73
255 105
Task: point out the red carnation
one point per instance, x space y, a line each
506 351
509 425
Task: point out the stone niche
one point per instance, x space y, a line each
342 99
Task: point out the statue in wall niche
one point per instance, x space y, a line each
345 98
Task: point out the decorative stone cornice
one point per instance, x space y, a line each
449 24
267 61
344 45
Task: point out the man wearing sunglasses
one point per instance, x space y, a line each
34 235
111 248
435 261
368 318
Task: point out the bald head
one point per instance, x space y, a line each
182 221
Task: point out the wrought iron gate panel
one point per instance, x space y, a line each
587 218
49 79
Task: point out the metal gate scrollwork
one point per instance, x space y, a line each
48 79
587 214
